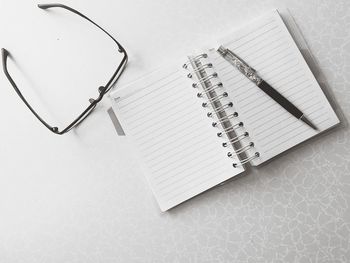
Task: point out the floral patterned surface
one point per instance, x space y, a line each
87 200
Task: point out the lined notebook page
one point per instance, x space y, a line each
176 143
267 46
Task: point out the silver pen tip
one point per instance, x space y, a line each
308 122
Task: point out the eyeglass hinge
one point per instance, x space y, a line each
101 89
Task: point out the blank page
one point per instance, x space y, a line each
174 139
267 46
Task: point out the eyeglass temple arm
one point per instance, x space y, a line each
47 6
120 47
4 55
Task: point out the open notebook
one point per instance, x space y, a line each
196 125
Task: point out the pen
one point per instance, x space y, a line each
251 74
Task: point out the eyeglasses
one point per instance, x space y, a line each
102 90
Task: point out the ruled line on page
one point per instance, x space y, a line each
255 43
255 89
253 31
177 162
248 106
300 129
174 142
204 180
258 66
180 162
259 35
272 126
122 100
186 186
176 138
273 78
260 59
168 128
264 124
282 132
276 112
188 148
293 122
269 41
269 108
146 116
163 144
251 112
257 51
157 98
179 177
298 134
266 101
158 103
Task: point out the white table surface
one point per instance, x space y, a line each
82 197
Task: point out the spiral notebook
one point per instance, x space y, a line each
196 125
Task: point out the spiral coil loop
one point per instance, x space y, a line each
230 129
247 160
214 99
235 139
205 79
185 66
217 98
220 109
225 118
242 149
200 68
211 88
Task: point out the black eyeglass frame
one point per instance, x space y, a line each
102 89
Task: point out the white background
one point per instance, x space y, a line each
81 197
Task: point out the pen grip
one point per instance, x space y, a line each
276 96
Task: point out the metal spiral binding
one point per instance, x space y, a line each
235 139
211 88
200 68
230 129
215 99
185 66
225 118
219 110
247 160
205 79
242 149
